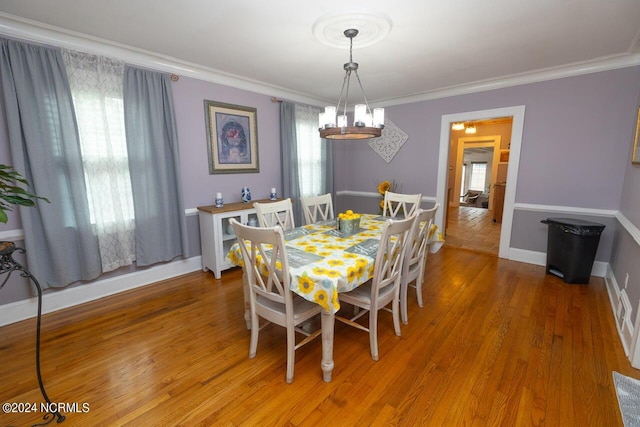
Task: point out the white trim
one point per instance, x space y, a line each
25 309
565 209
577 69
599 268
373 195
628 225
619 299
38 32
12 235
15 26
191 212
517 112
530 257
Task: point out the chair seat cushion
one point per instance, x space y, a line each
362 294
302 309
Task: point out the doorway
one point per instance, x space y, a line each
444 188
470 221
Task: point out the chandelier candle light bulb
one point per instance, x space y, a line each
378 117
359 115
329 116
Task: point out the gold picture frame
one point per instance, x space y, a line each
232 138
635 156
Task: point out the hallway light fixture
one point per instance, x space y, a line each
366 124
457 126
470 129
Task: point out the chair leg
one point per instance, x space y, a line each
395 310
419 281
373 333
255 330
291 353
403 300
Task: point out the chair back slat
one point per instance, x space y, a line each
396 204
417 249
391 253
264 258
275 213
317 208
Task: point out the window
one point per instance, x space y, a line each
478 177
310 152
96 86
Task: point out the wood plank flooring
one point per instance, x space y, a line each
473 228
497 343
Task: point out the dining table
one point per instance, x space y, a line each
324 262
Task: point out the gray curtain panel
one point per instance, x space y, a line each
45 148
289 157
154 163
289 154
327 162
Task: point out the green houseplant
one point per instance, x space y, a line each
13 191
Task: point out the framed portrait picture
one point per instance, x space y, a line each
635 155
232 137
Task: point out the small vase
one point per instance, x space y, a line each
246 195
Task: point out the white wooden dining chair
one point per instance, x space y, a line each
400 204
384 288
265 266
416 257
275 213
317 208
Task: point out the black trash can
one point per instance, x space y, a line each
571 248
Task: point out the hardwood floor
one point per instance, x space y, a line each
473 228
497 343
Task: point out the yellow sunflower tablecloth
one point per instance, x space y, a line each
324 262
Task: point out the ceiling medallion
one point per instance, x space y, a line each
373 27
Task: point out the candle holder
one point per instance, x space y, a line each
273 195
219 202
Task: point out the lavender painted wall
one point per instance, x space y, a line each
626 249
198 185
575 140
630 201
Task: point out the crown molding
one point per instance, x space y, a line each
576 69
17 27
34 31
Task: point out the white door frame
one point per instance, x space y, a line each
517 112
491 141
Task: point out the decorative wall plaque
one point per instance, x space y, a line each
392 139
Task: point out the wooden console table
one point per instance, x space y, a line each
216 235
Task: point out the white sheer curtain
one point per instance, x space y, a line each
97 86
311 167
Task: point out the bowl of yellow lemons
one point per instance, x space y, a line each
349 222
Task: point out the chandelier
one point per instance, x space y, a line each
366 123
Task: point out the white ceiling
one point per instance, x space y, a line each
433 47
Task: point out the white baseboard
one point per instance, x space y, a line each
599 268
621 312
25 309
